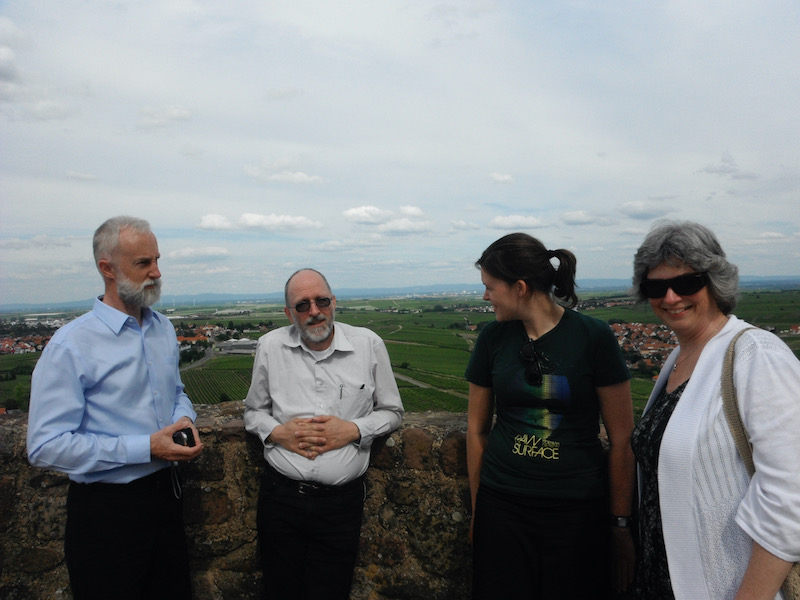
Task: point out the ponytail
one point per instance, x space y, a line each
518 256
564 277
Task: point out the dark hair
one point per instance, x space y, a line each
686 243
519 256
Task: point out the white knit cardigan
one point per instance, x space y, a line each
711 511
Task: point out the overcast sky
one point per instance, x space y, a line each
389 142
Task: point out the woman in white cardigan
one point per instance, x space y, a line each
708 531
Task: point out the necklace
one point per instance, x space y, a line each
699 347
688 355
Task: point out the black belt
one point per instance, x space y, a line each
160 480
311 488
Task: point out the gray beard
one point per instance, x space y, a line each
140 296
317 336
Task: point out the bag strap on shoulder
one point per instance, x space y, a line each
731 407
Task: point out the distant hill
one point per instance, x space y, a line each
584 285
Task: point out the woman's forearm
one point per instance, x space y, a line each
764 575
621 479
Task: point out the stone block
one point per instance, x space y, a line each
233 431
418 449
453 454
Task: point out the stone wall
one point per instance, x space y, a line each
413 541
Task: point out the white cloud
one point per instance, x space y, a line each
205 270
283 94
215 222
271 174
37 242
464 225
162 116
727 167
767 237
359 244
9 72
646 210
294 177
516 222
412 211
49 110
367 215
501 177
634 232
405 226
270 222
577 217
204 252
274 222
81 176
216 270
582 217
10 34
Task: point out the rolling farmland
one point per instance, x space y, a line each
429 345
428 340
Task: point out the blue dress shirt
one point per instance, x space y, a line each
102 386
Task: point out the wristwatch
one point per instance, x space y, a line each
617 521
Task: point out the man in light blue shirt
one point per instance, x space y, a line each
106 401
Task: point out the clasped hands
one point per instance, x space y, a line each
312 436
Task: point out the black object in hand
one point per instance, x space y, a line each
184 437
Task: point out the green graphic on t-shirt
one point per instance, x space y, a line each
536 447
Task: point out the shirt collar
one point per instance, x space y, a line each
115 319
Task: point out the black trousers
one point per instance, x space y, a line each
308 537
540 549
127 541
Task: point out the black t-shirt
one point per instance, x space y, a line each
545 442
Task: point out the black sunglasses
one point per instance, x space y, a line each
305 305
533 370
683 285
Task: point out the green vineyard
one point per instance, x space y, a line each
210 386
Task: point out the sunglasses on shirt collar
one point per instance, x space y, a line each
533 370
683 285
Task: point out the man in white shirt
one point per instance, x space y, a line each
320 395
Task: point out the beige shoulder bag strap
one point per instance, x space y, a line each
731 407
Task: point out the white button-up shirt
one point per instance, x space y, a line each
352 380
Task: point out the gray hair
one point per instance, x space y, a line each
686 243
288 281
106 238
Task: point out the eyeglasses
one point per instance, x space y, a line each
683 285
533 370
305 305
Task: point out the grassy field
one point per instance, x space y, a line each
15 392
427 342
778 309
